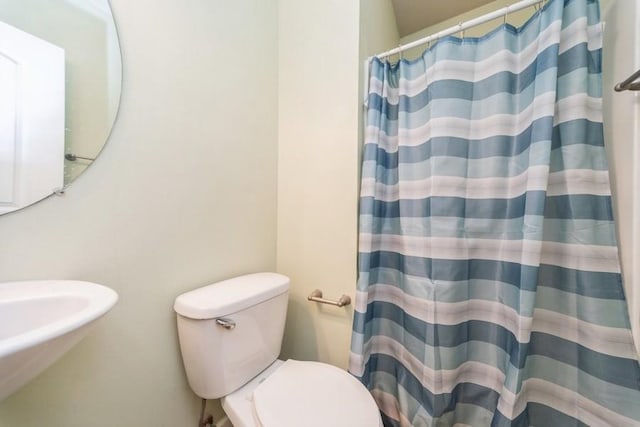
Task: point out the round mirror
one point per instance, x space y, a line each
60 83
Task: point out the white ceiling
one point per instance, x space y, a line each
414 15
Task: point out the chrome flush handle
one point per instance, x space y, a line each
226 323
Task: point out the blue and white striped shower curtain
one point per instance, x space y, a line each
489 290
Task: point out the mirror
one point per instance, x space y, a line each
60 84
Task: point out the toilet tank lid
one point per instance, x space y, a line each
230 296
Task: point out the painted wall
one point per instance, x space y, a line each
183 195
621 57
378 31
317 170
318 116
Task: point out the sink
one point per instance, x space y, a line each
41 320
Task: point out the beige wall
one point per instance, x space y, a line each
621 56
183 195
319 106
378 30
317 175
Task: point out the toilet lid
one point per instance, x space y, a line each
313 394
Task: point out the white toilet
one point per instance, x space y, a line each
230 335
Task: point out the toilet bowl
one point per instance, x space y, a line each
230 335
302 394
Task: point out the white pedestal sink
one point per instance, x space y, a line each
40 321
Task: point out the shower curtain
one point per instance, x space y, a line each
489 289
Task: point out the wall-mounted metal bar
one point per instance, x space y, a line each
317 297
629 83
73 157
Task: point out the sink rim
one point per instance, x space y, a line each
100 299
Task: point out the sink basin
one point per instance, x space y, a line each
40 321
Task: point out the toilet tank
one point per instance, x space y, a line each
230 331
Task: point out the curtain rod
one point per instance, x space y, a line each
460 27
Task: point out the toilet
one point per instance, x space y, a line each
230 335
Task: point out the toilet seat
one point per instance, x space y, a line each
309 394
